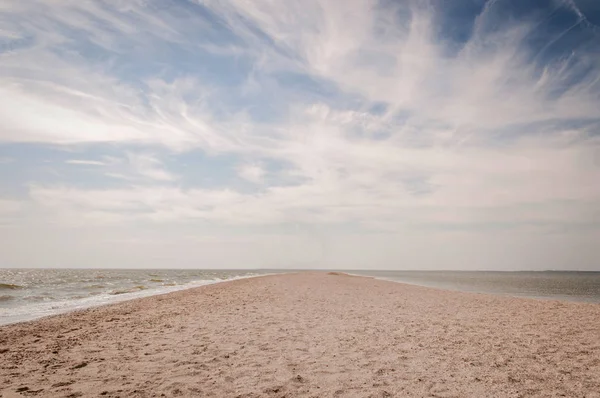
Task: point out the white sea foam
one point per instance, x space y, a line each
25 311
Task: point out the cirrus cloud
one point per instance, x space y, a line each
355 117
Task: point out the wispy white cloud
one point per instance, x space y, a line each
132 166
252 172
149 166
86 162
357 114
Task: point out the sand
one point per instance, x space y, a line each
309 335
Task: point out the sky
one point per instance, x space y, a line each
354 134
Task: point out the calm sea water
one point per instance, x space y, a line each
27 294
557 285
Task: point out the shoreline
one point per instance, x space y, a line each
56 308
556 298
559 298
590 299
45 309
308 334
76 305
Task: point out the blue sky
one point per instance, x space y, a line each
300 134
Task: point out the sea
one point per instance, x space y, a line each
582 286
27 294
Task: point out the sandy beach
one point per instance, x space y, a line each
309 335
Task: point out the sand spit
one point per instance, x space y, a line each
308 335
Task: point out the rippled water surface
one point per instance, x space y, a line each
31 293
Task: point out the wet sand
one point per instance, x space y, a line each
309 335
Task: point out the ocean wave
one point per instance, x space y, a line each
6 297
10 286
37 299
132 290
156 280
61 298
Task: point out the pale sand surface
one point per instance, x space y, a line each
313 335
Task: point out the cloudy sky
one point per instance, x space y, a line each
439 134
